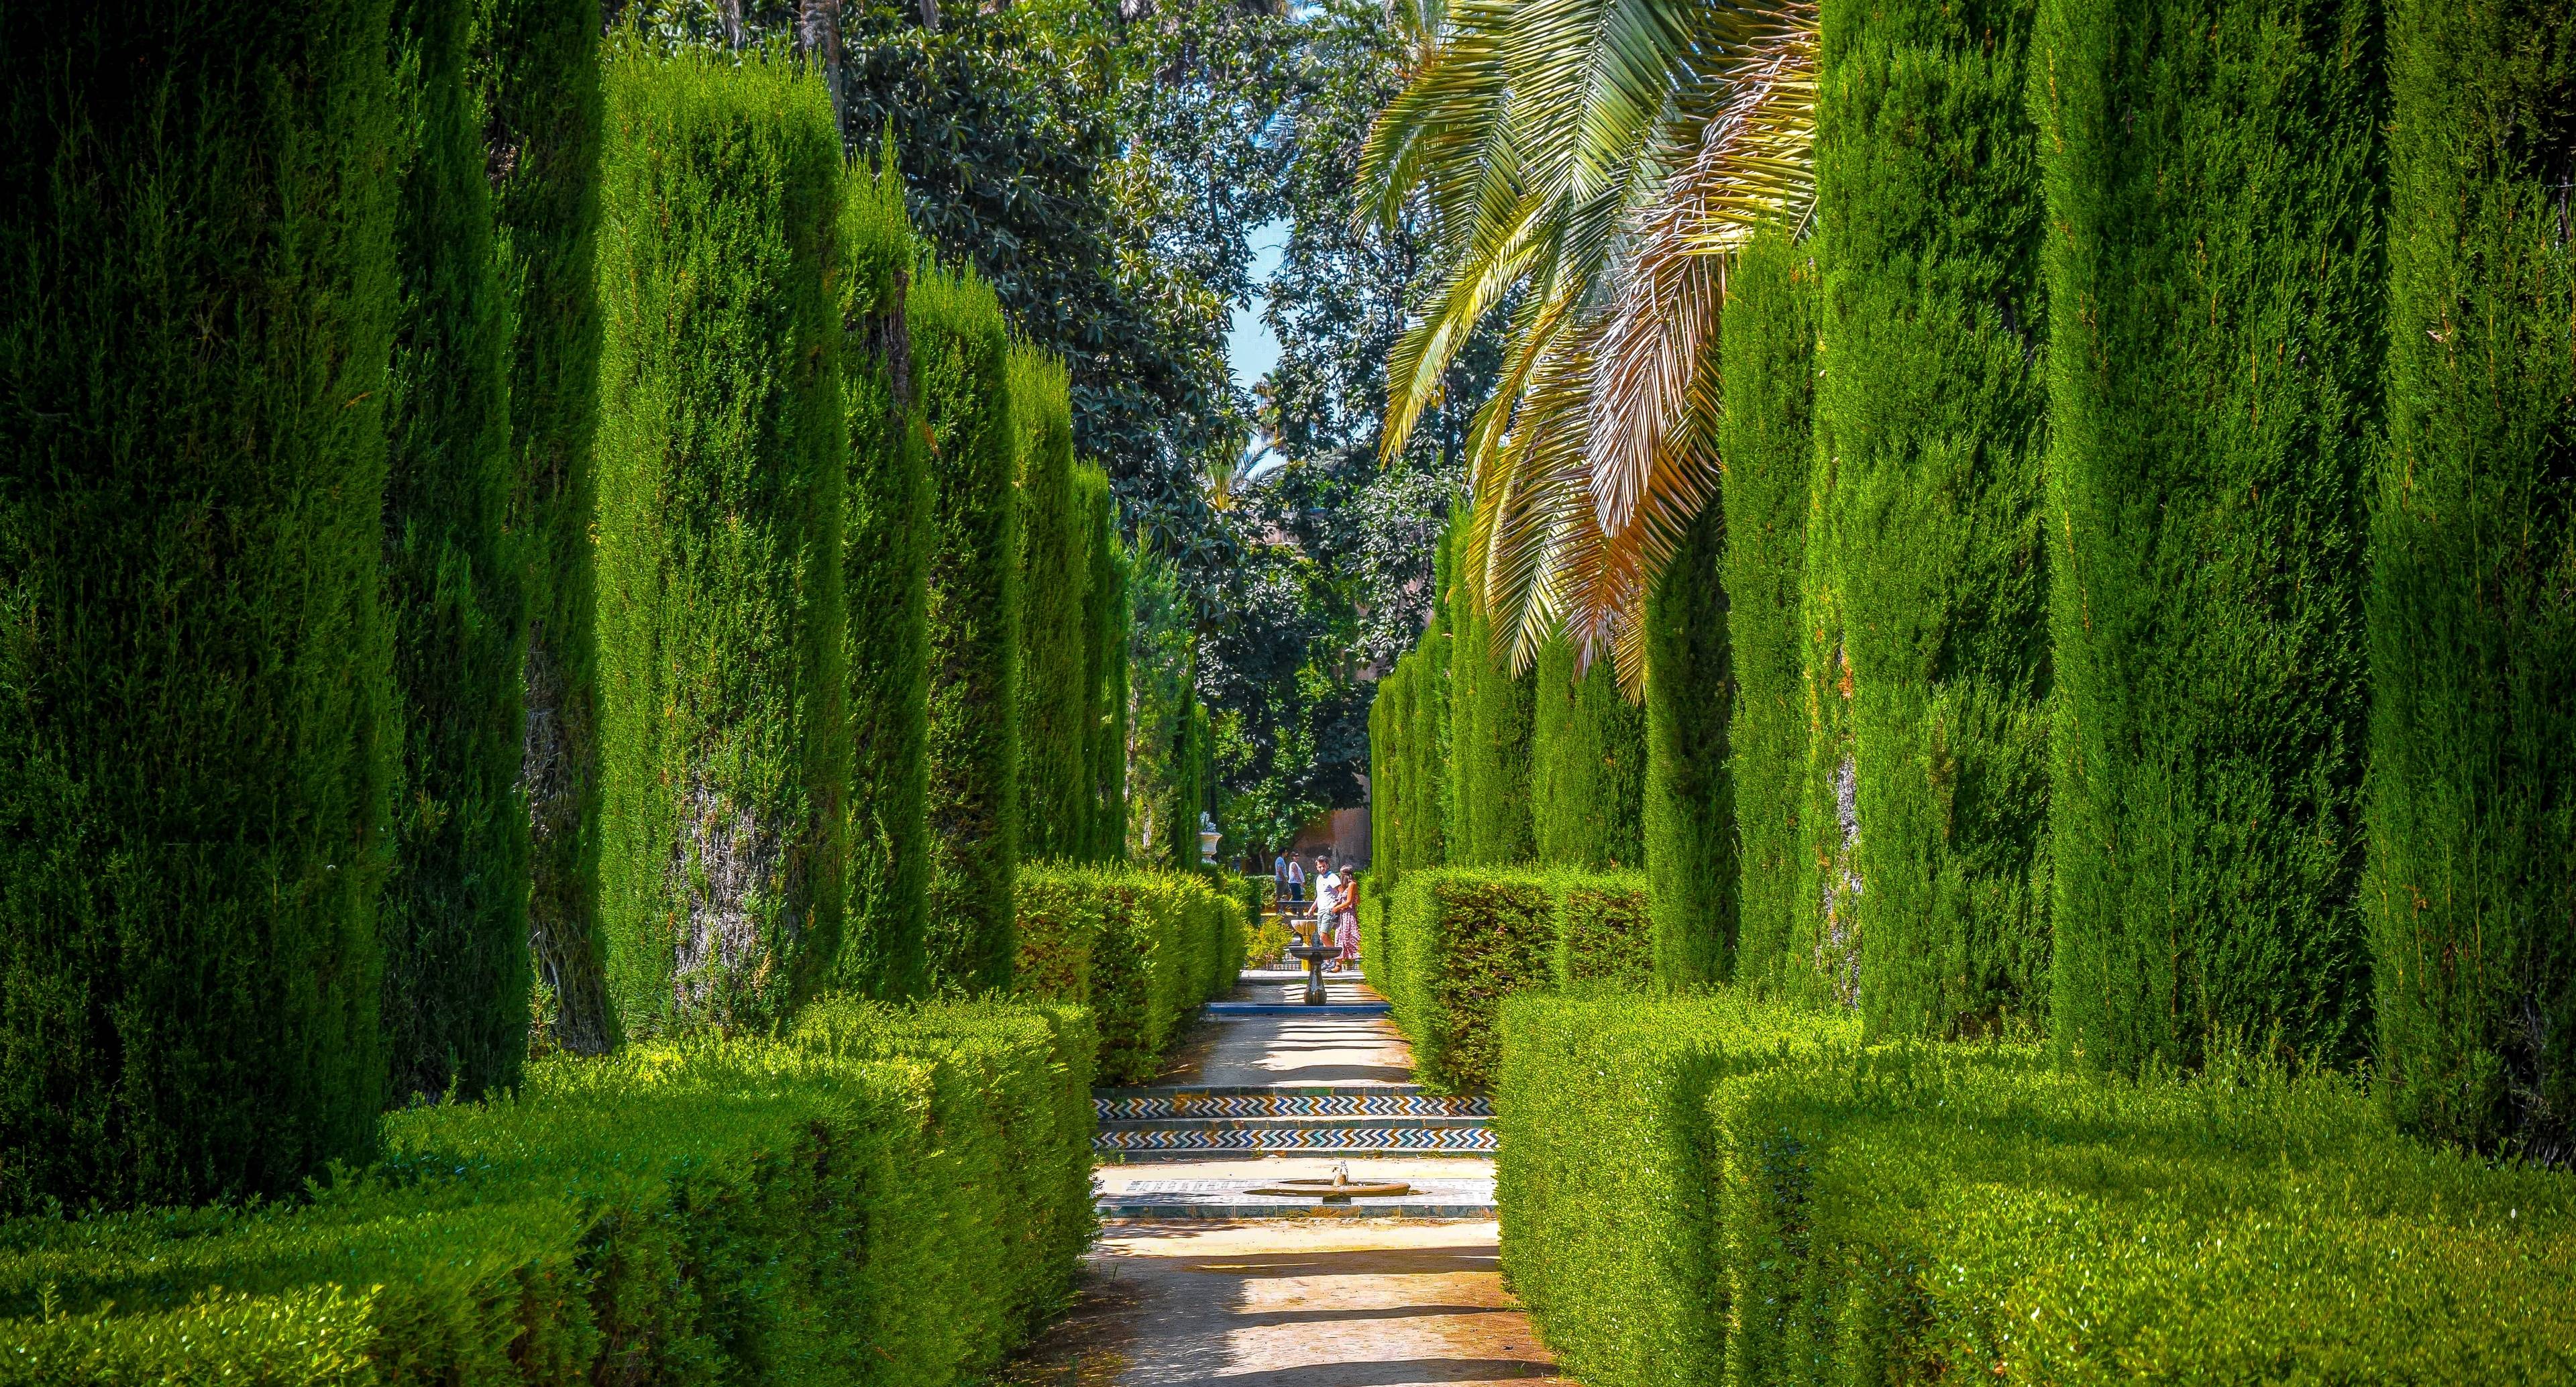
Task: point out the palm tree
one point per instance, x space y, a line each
1589 166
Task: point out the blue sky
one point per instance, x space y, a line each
1249 346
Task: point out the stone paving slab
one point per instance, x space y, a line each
1293 1303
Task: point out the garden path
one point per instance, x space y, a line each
1287 1298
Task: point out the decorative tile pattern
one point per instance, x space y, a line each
1148 1105
1314 1139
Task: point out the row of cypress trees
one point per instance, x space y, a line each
467 505
2147 553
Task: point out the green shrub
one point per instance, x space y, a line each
960 361
1688 810
1147 948
1606 1177
722 456
2472 610
1587 766
454 919
1605 930
1767 437
196 715
1488 773
885 581
536 63
1107 619
1055 704
1908 1215
1057 925
2216 283
1458 942
889 1197
1928 233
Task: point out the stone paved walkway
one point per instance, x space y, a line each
1293 1302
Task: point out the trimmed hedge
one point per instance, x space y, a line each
1704 1190
1605 931
2470 885
1453 943
196 735
1934 416
1767 438
536 63
1688 808
960 365
892 1197
2216 286
1143 948
1055 630
453 923
885 583
1607 1176
1916 1214
1587 766
722 456
1107 619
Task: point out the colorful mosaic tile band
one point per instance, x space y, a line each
1146 1106
1346 1140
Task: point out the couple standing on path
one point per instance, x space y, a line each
1335 903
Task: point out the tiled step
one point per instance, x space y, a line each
1115 1105
1230 1199
1355 1120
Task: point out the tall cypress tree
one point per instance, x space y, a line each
885 582
1489 748
536 64
1767 436
1107 618
1587 766
1392 791
454 922
1933 418
1688 809
195 665
2471 881
960 370
2215 280
1054 773
722 453
1428 763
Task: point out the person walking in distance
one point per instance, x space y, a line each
1291 879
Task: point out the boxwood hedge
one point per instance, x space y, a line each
885 1196
1143 949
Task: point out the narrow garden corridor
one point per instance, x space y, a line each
1196 1281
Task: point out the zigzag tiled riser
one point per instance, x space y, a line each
1431 1141
1135 1106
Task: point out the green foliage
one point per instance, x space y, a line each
1161 830
2472 609
885 582
1455 943
722 454
1107 617
1933 416
1704 1190
961 379
1490 714
2215 280
1587 766
1767 438
651 1217
1145 949
1055 704
536 64
1607 1178
196 735
1911 1214
1688 809
1605 930
453 923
